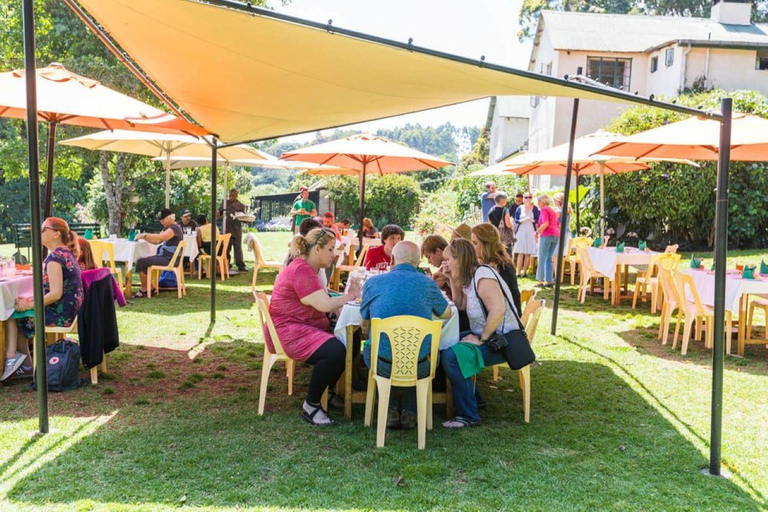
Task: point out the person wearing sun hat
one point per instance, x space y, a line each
461 231
168 240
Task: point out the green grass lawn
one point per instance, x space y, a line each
617 422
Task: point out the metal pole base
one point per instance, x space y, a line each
724 473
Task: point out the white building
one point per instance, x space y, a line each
659 55
509 131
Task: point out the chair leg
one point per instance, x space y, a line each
291 364
103 363
662 321
750 318
94 376
654 298
255 273
324 400
637 292
728 334
687 334
383 386
677 329
266 367
525 378
429 406
496 373
370 398
422 401
179 281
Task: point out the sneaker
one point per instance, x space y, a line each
24 372
12 364
407 420
393 419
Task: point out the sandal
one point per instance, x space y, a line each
139 295
309 417
459 422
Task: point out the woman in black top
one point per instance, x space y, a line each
168 239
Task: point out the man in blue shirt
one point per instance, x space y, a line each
401 291
487 199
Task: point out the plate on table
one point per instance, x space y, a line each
24 273
353 303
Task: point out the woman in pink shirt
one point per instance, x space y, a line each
547 234
298 307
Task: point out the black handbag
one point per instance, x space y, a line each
514 344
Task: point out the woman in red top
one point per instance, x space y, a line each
379 258
547 234
298 307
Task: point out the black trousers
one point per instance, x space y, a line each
328 363
237 242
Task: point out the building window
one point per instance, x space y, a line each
762 60
612 72
654 64
669 57
535 100
548 68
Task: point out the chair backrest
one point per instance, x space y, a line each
651 270
586 261
406 336
265 319
669 261
178 256
222 244
257 254
671 249
525 296
684 281
361 257
530 306
668 286
532 322
98 248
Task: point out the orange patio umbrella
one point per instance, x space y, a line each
362 154
64 97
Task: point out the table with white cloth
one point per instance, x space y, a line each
129 252
353 241
611 263
737 292
350 319
11 288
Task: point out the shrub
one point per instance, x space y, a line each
392 198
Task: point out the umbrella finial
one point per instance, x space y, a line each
410 41
329 27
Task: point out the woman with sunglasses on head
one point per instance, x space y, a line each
63 296
298 308
526 219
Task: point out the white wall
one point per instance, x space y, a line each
728 69
508 134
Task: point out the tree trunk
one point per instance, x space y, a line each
113 189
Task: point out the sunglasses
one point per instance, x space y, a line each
527 197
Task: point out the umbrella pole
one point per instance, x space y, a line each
34 206
721 252
560 249
361 184
578 220
602 199
214 202
48 201
224 209
168 179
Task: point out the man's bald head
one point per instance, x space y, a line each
406 252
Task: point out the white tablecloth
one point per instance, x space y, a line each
350 315
605 260
353 241
735 287
129 252
10 289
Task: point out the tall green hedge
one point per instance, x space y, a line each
676 202
389 199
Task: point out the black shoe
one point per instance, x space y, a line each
393 419
242 269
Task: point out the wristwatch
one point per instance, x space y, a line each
485 340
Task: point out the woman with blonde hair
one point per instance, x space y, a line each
298 308
63 296
369 230
491 251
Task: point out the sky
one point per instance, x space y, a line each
468 28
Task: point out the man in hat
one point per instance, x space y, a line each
303 208
487 199
168 240
187 223
235 228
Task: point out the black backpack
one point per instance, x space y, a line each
63 366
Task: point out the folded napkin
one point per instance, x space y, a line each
749 271
470 359
132 235
763 268
695 263
23 267
88 235
642 245
620 247
598 242
30 313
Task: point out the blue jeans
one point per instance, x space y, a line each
464 397
547 245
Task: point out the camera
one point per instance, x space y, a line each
497 342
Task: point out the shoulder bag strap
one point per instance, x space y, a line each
511 306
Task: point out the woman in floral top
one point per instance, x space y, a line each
63 296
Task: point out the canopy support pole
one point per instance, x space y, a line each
361 185
226 198
48 201
578 219
721 253
168 179
602 199
33 162
561 248
214 203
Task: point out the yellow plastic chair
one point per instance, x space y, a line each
406 335
222 243
650 279
572 256
670 303
175 265
359 263
760 302
588 273
671 249
98 248
260 262
265 319
695 311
